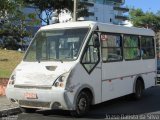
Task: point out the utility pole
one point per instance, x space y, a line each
75 11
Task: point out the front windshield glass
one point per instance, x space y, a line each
63 44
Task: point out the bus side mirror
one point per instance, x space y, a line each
96 40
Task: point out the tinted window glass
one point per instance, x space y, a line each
131 47
147 46
111 47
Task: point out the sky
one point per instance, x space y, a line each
145 5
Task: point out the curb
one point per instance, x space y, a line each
3 84
11 111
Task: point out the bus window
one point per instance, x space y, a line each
111 47
131 47
91 56
147 46
55 45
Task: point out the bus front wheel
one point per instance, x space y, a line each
83 103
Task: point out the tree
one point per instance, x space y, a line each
6 7
145 19
158 13
13 24
48 6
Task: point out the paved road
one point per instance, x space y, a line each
150 103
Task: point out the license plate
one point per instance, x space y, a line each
31 95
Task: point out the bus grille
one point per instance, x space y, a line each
36 104
33 87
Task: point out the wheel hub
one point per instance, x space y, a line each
82 104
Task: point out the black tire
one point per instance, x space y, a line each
28 110
138 90
83 103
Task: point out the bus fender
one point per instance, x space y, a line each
81 88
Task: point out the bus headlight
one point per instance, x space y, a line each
61 80
12 79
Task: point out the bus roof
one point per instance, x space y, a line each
104 27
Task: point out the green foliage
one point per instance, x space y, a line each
51 4
48 6
13 23
6 7
145 19
158 13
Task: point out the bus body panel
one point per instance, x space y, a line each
81 79
42 74
118 77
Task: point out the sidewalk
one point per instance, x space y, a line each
6 107
3 84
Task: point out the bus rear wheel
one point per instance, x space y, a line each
83 103
138 90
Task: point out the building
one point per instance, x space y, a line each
107 11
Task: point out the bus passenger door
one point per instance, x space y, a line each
111 49
92 65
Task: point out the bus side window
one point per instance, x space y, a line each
91 56
147 45
111 47
131 47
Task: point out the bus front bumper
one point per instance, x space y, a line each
39 98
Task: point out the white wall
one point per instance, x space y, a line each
104 13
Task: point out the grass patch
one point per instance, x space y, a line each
9 59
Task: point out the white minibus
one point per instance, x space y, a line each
71 66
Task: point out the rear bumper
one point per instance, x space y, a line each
46 98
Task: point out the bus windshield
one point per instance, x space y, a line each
62 44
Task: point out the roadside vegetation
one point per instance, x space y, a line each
8 61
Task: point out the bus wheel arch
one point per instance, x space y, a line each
89 92
138 87
83 95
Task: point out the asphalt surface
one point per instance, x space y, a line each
6 104
122 108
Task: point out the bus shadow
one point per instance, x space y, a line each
117 107
127 106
